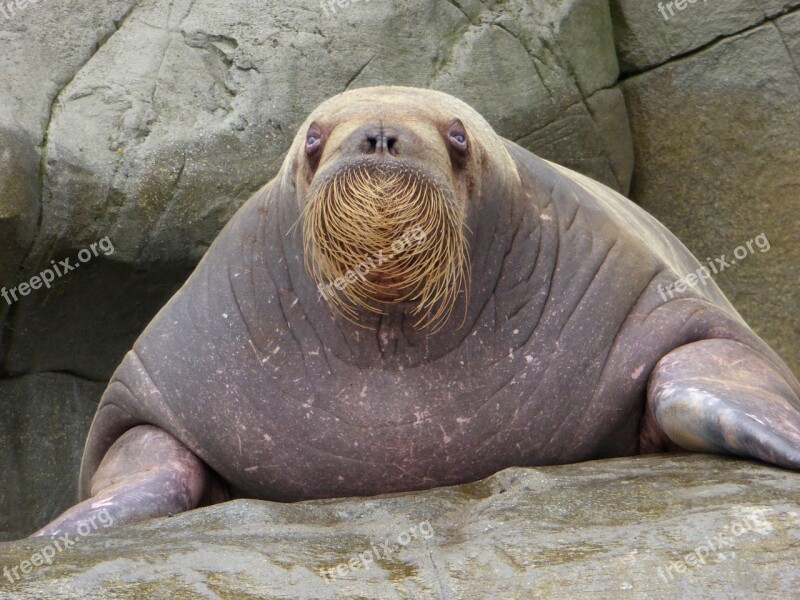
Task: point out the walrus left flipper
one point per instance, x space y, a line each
146 474
721 396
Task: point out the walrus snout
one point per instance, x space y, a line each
381 141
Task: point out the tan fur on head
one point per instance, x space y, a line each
354 207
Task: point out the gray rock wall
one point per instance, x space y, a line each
41 419
714 107
718 164
650 34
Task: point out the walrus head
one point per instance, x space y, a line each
384 181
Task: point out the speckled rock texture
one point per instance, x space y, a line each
648 34
683 526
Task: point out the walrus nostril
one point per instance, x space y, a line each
379 141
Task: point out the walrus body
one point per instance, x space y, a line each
561 347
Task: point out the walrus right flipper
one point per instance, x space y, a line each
147 473
721 396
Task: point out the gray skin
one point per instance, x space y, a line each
247 384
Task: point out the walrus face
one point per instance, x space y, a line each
384 187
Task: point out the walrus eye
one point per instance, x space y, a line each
314 140
458 138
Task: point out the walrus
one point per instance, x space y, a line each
412 302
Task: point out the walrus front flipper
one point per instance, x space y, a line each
146 474
721 396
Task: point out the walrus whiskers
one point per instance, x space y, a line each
367 213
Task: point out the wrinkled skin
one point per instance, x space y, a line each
248 384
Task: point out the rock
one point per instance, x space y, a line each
553 89
44 420
651 33
600 119
89 318
638 527
44 45
160 154
717 153
19 204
